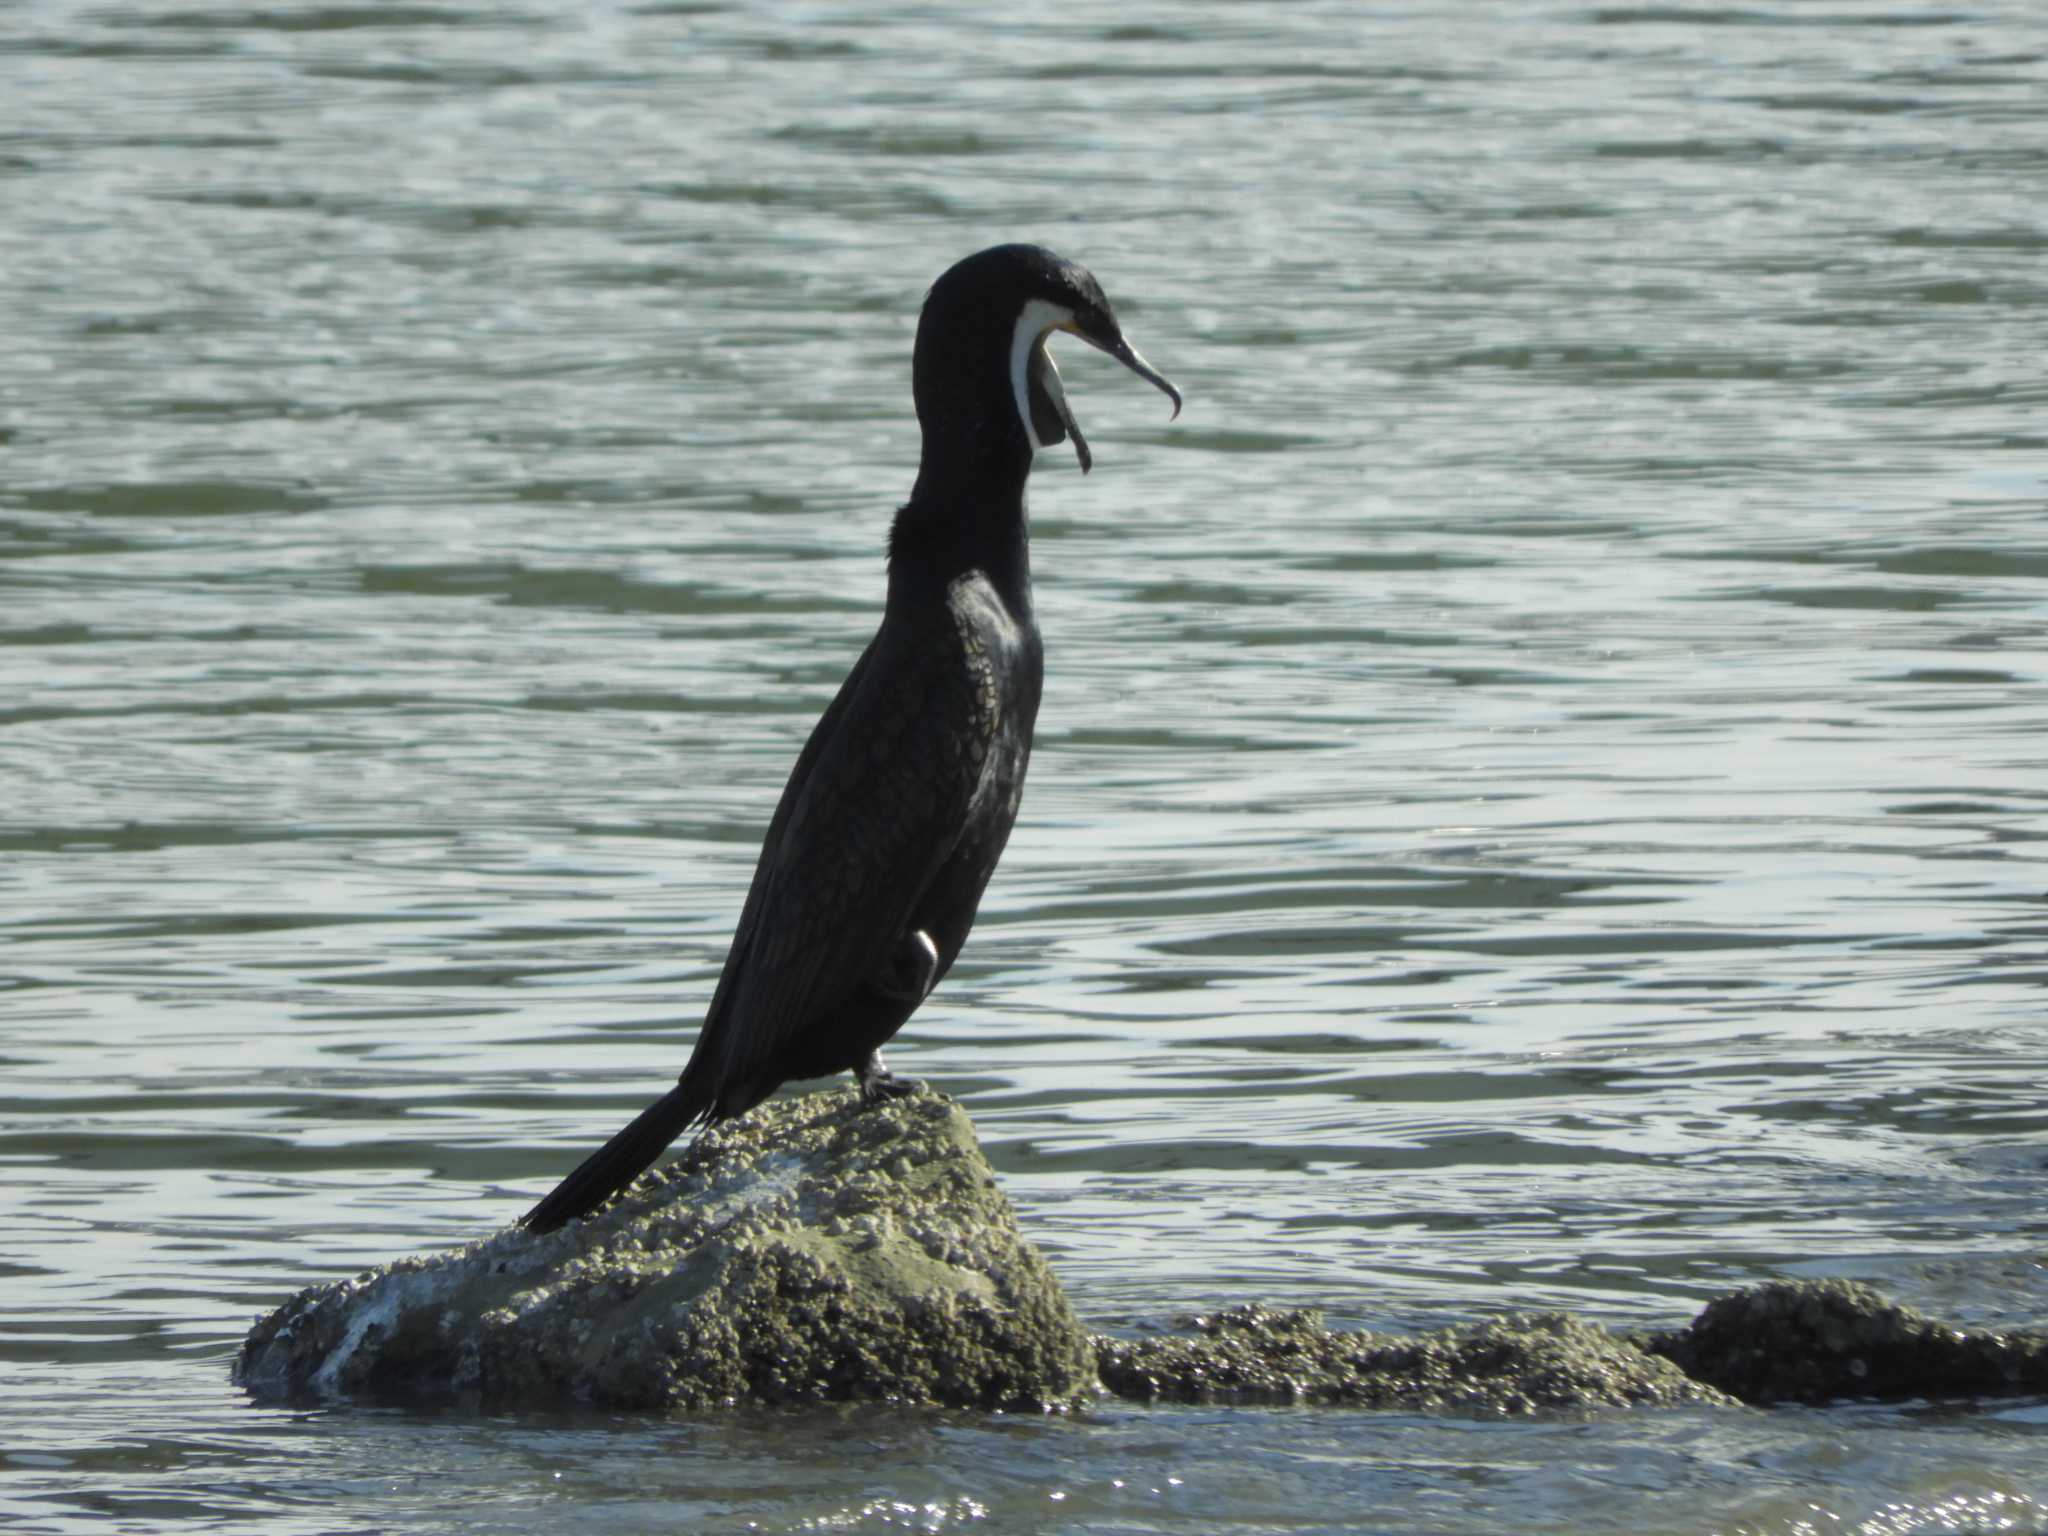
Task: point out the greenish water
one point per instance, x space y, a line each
1540 792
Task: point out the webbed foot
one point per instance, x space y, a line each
877 1082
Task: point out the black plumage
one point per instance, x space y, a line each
901 801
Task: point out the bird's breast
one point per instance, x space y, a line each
1001 670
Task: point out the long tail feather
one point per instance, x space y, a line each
619 1161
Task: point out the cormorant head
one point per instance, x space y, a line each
985 384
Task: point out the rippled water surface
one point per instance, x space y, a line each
1540 794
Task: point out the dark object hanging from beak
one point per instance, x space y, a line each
1052 419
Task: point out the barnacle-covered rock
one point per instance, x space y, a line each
815 1250
1511 1365
1815 1341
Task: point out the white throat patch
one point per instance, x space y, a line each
1037 317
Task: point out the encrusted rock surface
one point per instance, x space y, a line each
1814 1341
821 1250
1513 1365
814 1250
1806 1341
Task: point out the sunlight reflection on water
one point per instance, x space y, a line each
1537 800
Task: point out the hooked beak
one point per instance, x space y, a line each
1127 354
1048 378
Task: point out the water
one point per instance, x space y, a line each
1539 796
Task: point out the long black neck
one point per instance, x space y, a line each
966 513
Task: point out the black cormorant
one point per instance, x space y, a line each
902 799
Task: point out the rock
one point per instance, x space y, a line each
1513 1365
821 1250
814 1250
1792 1341
1815 1341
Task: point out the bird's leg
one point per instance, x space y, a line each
877 1082
907 976
910 971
